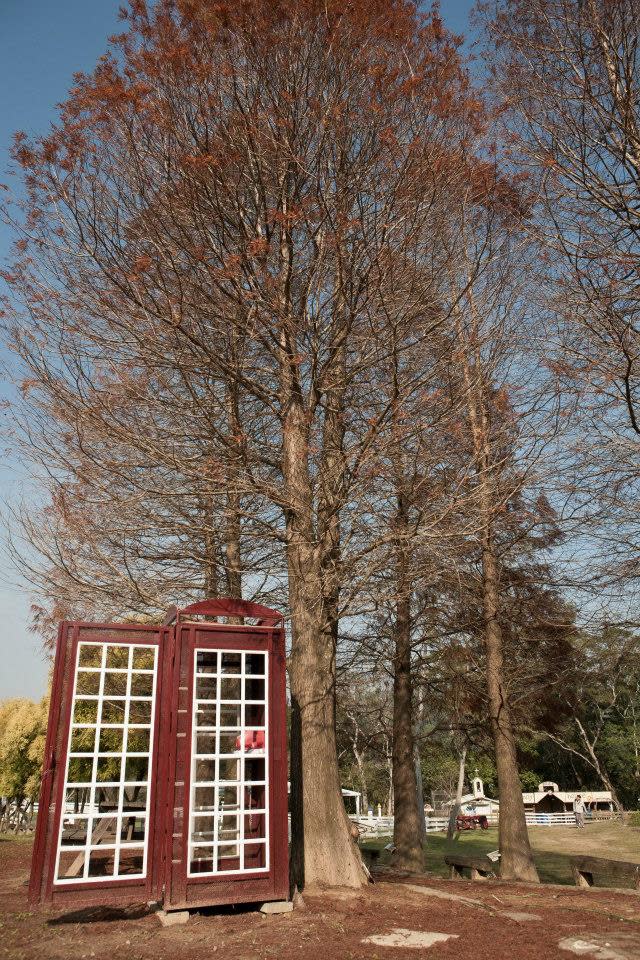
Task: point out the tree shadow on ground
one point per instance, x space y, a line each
102 915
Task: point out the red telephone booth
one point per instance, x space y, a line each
165 774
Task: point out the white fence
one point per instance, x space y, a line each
383 826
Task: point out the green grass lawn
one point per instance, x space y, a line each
552 847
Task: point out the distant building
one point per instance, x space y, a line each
355 796
477 802
548 798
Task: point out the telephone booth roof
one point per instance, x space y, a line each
226 607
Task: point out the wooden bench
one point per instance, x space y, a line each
481 868
584 869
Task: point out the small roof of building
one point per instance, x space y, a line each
468 797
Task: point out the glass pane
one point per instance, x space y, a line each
228 828
137 769
254 689
70 865
231 715
229 770
254 797
205 771
206 688
206 715
83 739
230 688
255 856
85 711
115 684
140 711
111 740
254 769
201 860
227 798
108 769
104 830
230 742
228 857
254 714
101 863
204 798
231 662
139 741
205 743
113 712
80 770
255 826
144 658
207 661
131 862
118 657
254 741
88 684
134 797
76 799
90 655
133 829
203 829
141 685
254 663
74 831
107 798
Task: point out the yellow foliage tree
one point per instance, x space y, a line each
23 726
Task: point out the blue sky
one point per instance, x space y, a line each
42 44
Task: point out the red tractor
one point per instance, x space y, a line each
471 821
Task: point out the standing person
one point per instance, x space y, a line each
579 810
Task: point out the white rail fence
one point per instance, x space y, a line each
383 826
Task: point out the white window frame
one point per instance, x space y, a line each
215 784
92 816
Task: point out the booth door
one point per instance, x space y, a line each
97 842
227 843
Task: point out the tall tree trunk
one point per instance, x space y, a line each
211 557
407 834
330 857
516 857
362 776
389 758
364 787
233 527
419 794
455 807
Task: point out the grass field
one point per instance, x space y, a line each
552 847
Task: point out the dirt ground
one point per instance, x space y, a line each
605 925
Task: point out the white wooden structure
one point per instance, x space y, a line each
356 796
549 799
